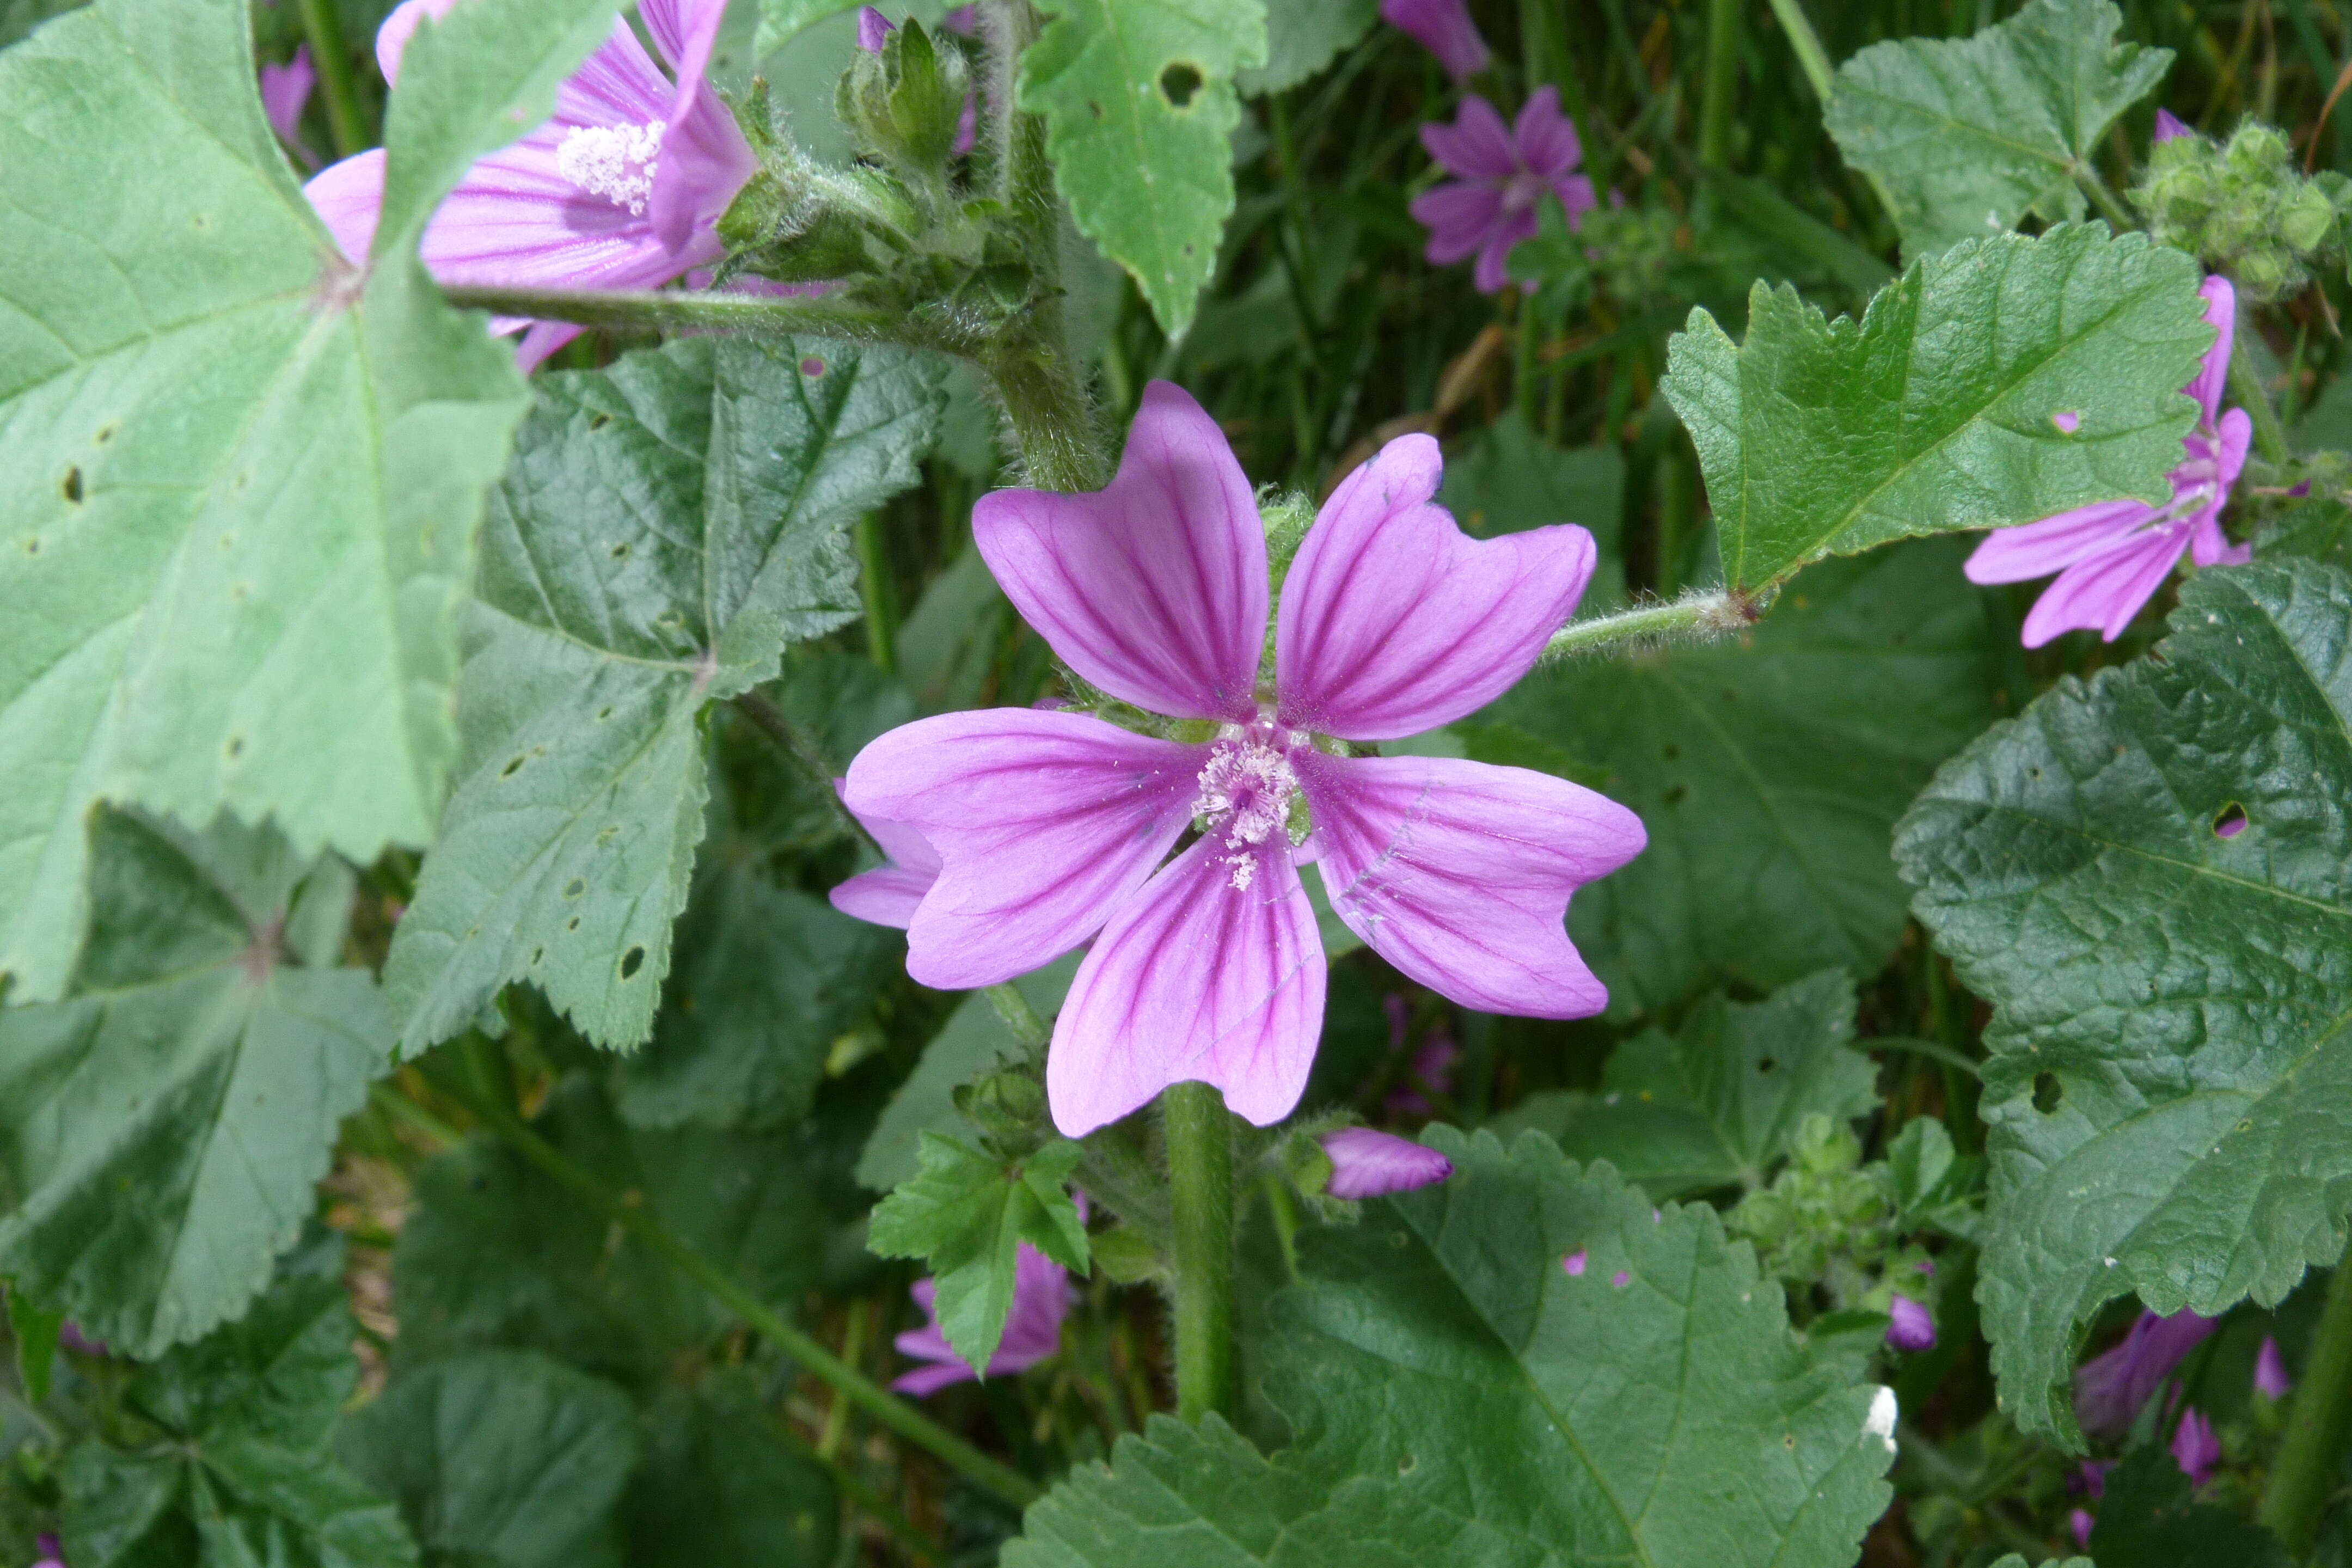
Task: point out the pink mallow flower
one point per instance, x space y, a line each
890 894
1366 1164
1504 172
1052 827
2110 1389
623 189
1444 27
2112 556
1910 1326
1041 1296
2195 1447
284 93
2271 1380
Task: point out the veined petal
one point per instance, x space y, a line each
2034 550
1458 873
890 894
348 196
1546 139
1394 621
1045 823
1213 973
1369 1164
705 159
2102 593
398 28
1476 146
2208 545
1154 587
2213 374
1458 215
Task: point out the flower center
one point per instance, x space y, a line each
1247 793
614 161
1523 190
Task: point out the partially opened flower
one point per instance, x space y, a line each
1051 827
2112 556
888 894
1042 1294
1502 172
1367 1163
285 94
1444 27
2110 1389
2196 1448
623 189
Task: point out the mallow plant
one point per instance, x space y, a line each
1103 784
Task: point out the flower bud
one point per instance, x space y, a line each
1366 1164
2271 1380
1910 1326
903 97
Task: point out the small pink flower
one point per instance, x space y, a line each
1444 27
2271 1380
1051 827
1504 173
1041 1296
1366 1164
890 894
1910 1326
2195 1447
2110 1389
1574 1264
284 93
623 189
2081 1523
2169 125
2112 556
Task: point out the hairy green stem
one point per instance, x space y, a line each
1722 83
2319 1428
678 310
1811 56
770 720
499 1114
1020 1017
2119 217
1694 617
1200 1186
2270 435
873 590
324 29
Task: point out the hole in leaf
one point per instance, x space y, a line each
572 924
812 366
105 434
1673 751
1768 1064
235 747
621 551
72 486
2230 821
1094 108
511 769
603 714
574 888
2067 423
598 421
536 955
1178 82
1675 794
631 962
33 545
2047 1092
1407 1465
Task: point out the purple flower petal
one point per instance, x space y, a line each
2110 1389
2080 1522
1366 1164
1154 588
348 197
1033 1327
1458 873
1213 973
1576 195
1044 823
705 158
1493 273
1910 1326
2271 1380
890 894
1444 27
2169 125
2208 545
2196 1448
1458 217
2090 1478
872 28
1545 138
2104 593
284 93
398 28
2034 550
1394 621
1476 146
2214 371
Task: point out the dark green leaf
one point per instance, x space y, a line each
667 526
2148 1518
1769 773
2167 1044
503 1456
968 1212
35 1330
166 1122
1969 135
1935 412
1935 1187
720 1485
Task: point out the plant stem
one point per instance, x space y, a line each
874 588
672 310
2311 1460
771 721
324 29
1201 1183
2270 435
1811 56
877 1401
1019 1016
1722 83
1699 617
2119 217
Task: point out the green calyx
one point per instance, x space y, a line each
905 101
2242 208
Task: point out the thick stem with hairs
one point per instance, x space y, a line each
1200 1187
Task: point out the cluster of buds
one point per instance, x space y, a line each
1831 1222
2242 208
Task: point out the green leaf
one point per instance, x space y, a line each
502 1456
1459 1397
1717 1104
1507 478
1935 412
1302 36
241 1466
1936 1188
667 527
1967 135
242 480
19 17
719 1484
2168 1057
1769 772
2148 1518
1139 109
499 1254
165 1124
973 1042
968 1212
780 19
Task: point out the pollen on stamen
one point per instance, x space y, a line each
1244 799
614 161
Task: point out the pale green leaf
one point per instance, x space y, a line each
1139 109
1302 36
166 1122
2168 1059
1969 135
1936 411
667 527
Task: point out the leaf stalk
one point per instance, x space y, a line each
1696 616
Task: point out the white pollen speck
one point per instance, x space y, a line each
2111 1263
1880 1422
614 161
